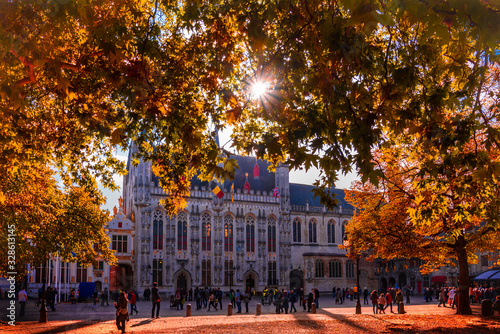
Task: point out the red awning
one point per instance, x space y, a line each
438 279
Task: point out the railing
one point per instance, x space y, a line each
321 209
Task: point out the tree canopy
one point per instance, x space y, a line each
78 78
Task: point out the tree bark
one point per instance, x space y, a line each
463 306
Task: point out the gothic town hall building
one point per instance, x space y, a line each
271 232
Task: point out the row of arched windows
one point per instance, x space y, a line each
313 231
334 269
206 232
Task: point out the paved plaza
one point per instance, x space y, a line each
84 318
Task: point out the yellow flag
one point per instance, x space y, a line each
232 193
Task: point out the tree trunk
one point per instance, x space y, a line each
463 306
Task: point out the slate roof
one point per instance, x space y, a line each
301 194
265 182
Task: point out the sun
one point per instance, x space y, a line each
259 88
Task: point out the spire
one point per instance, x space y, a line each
246 186
256 171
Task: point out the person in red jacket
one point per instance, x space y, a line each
388 298
133 302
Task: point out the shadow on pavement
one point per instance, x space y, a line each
70 327
142 323
345 320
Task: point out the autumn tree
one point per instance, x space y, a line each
434 205
43 217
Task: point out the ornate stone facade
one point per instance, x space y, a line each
258 239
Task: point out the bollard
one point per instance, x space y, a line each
313 308
486 308
258 310
401 308
188 310
229 309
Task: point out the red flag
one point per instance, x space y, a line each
276 192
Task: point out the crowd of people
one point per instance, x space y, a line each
284 300
382 301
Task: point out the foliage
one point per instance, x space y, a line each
46 219
78 78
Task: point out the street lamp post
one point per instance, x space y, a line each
43 306
358 302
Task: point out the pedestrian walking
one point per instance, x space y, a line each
442 297
381 303
211 302
72 296
246 300
121 311
156 300
388 298
133 302
218 298
316 297
374 299
146 294
293 299
310 300
238 299
95 298
399 299
105 297
23 300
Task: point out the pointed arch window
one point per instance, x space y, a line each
349 269
182 231
206 272
228 233
206 233
157 230
343 229
250 233
271 235
312 231
331 231
320 268
335 268
297 230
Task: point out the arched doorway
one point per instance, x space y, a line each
182 280
98 286
383 284
251 280
392 282
402 280
296 279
